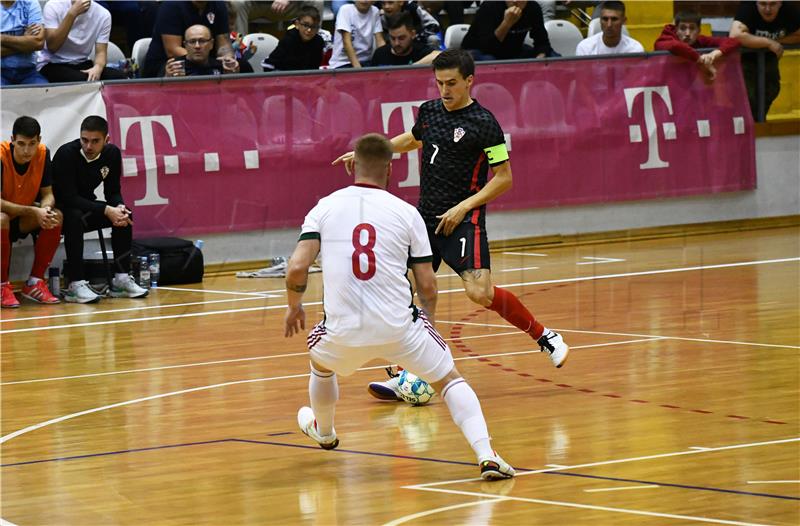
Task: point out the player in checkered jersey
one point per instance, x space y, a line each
366 238
461 141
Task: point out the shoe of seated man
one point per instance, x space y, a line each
388 390
308 425
39 293
80 292
553 344
125 287
9 300
495 468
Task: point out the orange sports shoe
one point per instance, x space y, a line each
9 300
39 293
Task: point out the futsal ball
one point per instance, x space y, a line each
414 390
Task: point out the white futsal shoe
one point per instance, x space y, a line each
495 468
308 425
553 344
388 390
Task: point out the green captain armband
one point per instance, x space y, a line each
497 154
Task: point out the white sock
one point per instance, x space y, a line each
466 411
119 276
323 390
33 281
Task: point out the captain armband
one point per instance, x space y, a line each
496 154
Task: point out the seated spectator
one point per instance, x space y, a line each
72 30
403 48
454 9
22 35
683 38
426 27
79 167
26 177
199 43
301 47
358 35
611 40
499 29
172 21
764 25
242 11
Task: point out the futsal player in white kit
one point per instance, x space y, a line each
367 239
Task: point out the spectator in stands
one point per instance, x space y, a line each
611 40
764 25
79 167
172 21
73 29
499 29
137 16
454 10
26 178
425 25
301 47
683 38
242 11
22 35
403 48
199 43
358 35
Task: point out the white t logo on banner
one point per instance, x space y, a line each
407 113
651 126
151 196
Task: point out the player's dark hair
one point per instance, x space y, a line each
26 126
398 20
373 148
309 11
687 17
95 123
613 5
455 59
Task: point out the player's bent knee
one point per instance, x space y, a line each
449 377
478 295
319 368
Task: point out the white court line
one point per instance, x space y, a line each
623 488
516 269
605 276
211 291
559 466
699 448
4 522
773 481
632 274
592 507
534 254
701 340
598 261
616 461
407 518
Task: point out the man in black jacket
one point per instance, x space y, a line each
79 167
499 29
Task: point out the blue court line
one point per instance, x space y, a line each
107 453
684 486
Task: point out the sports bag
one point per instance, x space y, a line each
181 261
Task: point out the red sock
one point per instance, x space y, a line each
45 249
514 312
5 253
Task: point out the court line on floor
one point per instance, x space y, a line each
213 291
288 355
434 511
509 285
593 507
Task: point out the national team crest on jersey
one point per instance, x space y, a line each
104 172
458 133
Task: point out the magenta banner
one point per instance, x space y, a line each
246 154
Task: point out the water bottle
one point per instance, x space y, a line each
144 273
54 281
198 243
155 269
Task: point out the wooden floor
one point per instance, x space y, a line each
679 403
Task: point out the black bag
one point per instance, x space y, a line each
181 261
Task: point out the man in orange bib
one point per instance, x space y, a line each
27 206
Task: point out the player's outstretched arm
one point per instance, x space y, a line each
425 280
296 281
405 142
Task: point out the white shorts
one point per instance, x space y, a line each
422 351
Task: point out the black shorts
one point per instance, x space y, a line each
466 248
15 234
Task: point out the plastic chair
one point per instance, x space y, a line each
265 45
543 110
139 51
113 55
564 37
500 100
594 28
454 35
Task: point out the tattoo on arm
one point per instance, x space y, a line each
296 288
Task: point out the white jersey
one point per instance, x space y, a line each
368 238
594 45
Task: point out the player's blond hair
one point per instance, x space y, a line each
373 153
